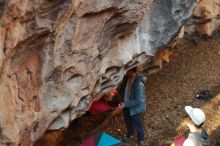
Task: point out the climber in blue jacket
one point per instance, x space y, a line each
132 89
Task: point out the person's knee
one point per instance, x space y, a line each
138 126
139 129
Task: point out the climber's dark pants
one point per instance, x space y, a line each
134 123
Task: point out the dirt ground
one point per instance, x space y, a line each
195 66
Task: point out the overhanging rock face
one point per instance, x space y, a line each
56 56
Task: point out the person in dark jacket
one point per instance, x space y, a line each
132 89
198 135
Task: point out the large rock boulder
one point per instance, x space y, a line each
205 19
57 56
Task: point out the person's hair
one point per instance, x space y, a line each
134 69
199 126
